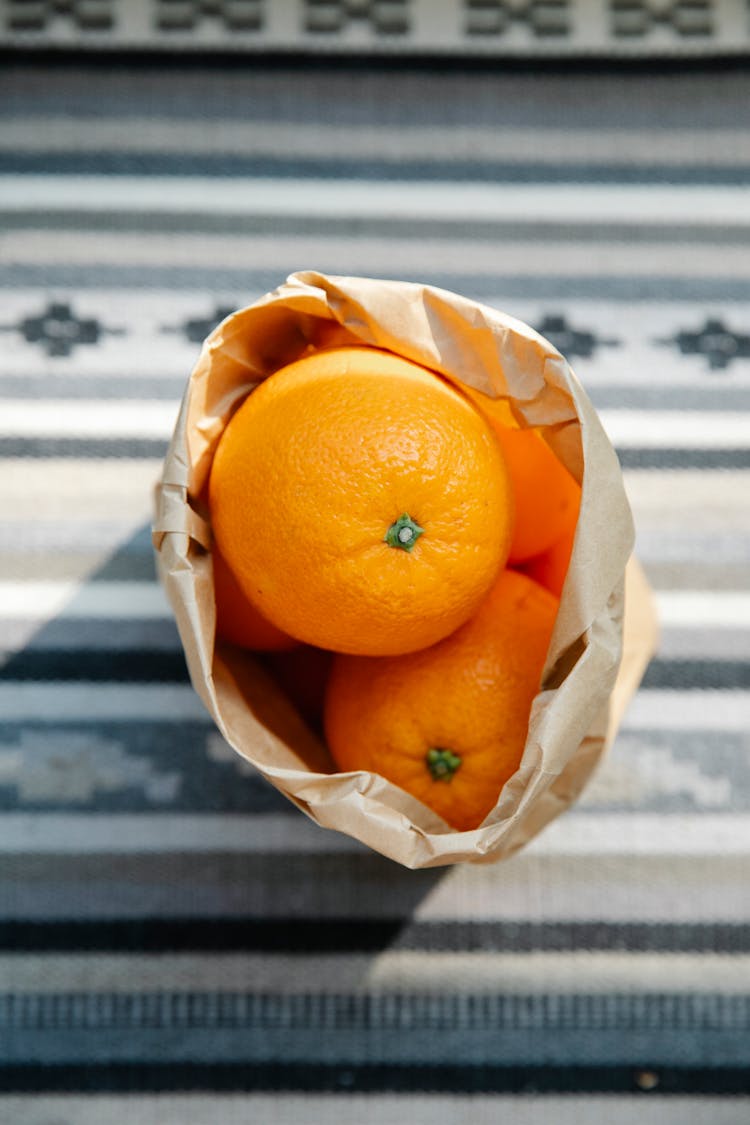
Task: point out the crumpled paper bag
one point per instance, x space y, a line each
582 697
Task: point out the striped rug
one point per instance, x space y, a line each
177 943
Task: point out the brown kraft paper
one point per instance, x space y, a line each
582 697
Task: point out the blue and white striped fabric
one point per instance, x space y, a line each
176 941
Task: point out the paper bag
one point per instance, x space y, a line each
575 714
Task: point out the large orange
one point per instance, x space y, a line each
448 724
362 502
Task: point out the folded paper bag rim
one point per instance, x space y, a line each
576 713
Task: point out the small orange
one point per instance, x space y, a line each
448 724
547 497
237 619
550 568
361 501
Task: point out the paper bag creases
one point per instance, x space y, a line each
575 715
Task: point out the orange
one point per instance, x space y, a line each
448 724
550 568
362 502
547 497
237 619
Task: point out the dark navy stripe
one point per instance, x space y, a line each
104 387
370 1078
372 226
357 1029
366 935
152 448
131 666
372 1012
691 675
498 288
699 92
151 767
165 666
171 766
676 459
712 396
460 171
84 448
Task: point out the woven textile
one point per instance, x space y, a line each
464 28
177 943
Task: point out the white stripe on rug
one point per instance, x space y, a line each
432 200
22 701
374 1109
578 834
412 971
722 609
150 418
410 256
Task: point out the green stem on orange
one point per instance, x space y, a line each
403 533
442 763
